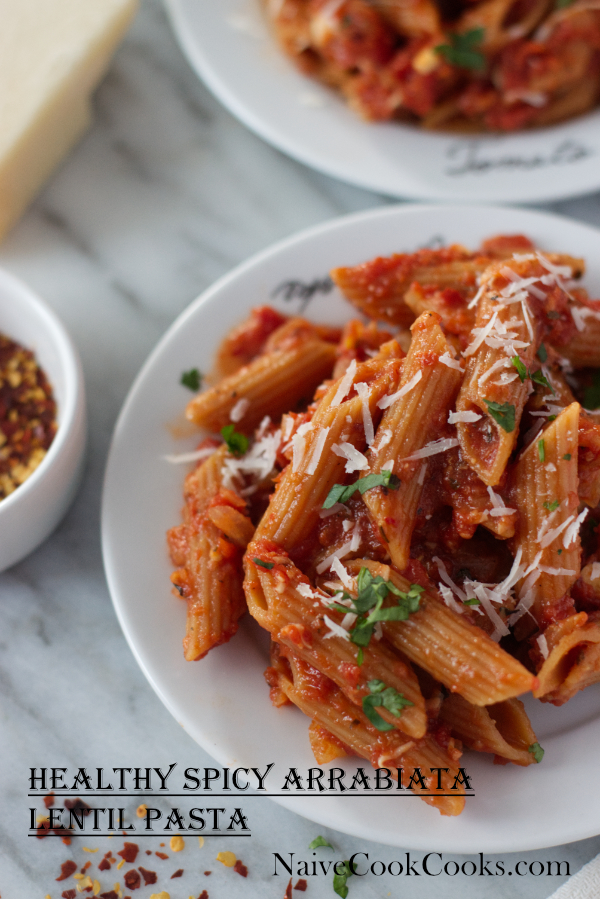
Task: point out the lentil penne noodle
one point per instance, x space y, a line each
502 729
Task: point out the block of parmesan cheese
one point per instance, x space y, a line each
53 53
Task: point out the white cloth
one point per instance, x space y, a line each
583 885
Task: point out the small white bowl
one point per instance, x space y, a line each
32 511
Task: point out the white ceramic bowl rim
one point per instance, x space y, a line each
67 355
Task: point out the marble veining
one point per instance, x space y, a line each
166 193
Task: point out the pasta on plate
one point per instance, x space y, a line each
495 65
408 505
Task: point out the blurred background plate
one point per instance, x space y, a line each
229 45
222 701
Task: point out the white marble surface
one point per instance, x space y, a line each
166 193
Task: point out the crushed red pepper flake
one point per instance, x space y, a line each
66 869
148 851
49 800
161 854
85 867
177 873
110 895
301 885
104 865
132 879
149 876
208 873
203 895
27 415
288 890
71 804
69 894
240 868
129 852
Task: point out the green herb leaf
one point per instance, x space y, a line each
503 413
340 493
537 752
191 379
382 696
567 457
542 353
520 366
551 506
539 378
462 50
320 841
471 602
542 450
368 605
551 418
360 656
237 443
267 565
559 551
339 880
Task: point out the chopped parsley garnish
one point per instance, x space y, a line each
339 880
559 551
340 493
320 841
368 605
542 450
520 366
382 696
471 602
591 394
267 565
551 418
551 506
537 752
567 457
538 378
191 379
462 49
237 443
360 656
542 353
503 414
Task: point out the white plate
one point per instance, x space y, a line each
222 701
228 44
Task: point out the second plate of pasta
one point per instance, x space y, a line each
230 45
222 699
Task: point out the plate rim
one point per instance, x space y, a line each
294 803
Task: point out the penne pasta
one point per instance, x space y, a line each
502 729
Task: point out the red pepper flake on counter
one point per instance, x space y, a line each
301 885
149 876
288 890
129 852
203 895
69 894
132 879
161 854
66 869
240 868
49 800
27 415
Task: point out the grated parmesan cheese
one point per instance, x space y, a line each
335 630
467 417
543 645
317 451
433 448
239 410
572 531
446 359
344 385
364 393
386 401
343 575
355 461
194 456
